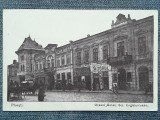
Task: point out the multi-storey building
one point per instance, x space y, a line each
122 55
26 54
12 73
127 51
64 66
45 66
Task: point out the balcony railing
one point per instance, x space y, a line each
50 69
120 60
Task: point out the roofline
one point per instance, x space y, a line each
29 49
109 30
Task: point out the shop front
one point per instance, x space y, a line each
82 77
100 76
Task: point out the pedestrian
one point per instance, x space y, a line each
41 94
79 85
115 88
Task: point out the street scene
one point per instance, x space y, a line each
115 65
85 96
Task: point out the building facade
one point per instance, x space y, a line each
12 73
121 55
127 51
26 54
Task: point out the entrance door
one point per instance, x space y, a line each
88 82
122 79
143 78
106 83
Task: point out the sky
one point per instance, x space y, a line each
56 26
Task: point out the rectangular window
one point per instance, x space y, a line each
52 62
31 67
62 60
58 63
58 76
36 66
95 55
142 46
22 57
79 58
114 77
120 49
105 52
63 76
129 77
69 76
86 56
68 59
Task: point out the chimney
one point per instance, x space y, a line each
14 61
129 17
88 35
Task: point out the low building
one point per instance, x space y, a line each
12 73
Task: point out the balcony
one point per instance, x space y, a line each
120 60
50 69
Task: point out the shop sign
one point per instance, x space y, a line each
96 68
82 71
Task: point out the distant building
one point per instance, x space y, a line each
26 53
64 65
12 73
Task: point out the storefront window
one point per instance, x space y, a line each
120 49
114 77
69 76
95 54
129 77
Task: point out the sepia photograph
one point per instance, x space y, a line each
72 59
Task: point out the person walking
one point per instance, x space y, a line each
79 85
41 94
115 88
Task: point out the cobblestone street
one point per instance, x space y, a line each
75 96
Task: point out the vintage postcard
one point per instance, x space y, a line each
80 60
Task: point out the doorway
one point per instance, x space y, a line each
122 79
143 77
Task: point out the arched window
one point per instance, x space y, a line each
50 61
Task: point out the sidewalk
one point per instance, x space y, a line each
105 91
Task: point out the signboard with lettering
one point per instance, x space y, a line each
96 68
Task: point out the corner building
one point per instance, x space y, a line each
121 55
126 50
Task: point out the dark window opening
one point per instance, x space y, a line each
95 54
120 49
